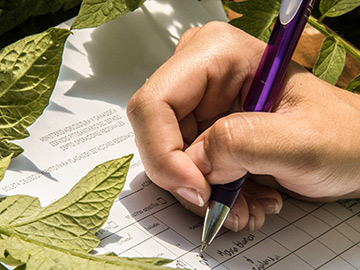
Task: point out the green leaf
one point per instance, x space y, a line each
14 12
257 16
7 152
354 85
10 15
39 256
17 207
60 235
331 60
265 36
71 221
154 261
4 163
334 8
28 72
97 12
7 148
47 6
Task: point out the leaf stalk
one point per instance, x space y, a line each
328 32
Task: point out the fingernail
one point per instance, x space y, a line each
198 155
233 222
270 206
191 195
251 223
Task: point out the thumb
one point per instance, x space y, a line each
259 143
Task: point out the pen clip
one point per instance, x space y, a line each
288 10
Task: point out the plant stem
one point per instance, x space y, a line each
327 32
321 18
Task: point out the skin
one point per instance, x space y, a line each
191 131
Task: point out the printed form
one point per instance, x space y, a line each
86 124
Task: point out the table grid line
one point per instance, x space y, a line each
339 255
266 237
143 241
289 224
136 221
195 245
312 240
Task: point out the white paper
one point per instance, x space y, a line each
85 125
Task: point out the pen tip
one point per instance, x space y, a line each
203 246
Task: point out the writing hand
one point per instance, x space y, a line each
191 132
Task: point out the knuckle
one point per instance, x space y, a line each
244 130
131 106
232 138
142 102
134 106
138 110
216 27
185 37
224 136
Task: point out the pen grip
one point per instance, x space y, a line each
227 193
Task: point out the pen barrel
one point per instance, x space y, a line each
265 86
280 48
227 193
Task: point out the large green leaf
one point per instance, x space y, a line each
354 85
257 16
29 69
28 72
97 12
39 256
71 221
331 60
334 8
60 235
14 12
17 207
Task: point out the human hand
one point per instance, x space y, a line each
307 145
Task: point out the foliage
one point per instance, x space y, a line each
60 235
335 8
96 12
331 60
29 67
354 85
258 18
10 15
28 72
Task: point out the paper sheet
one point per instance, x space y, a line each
85 124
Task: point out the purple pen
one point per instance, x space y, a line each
289 25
